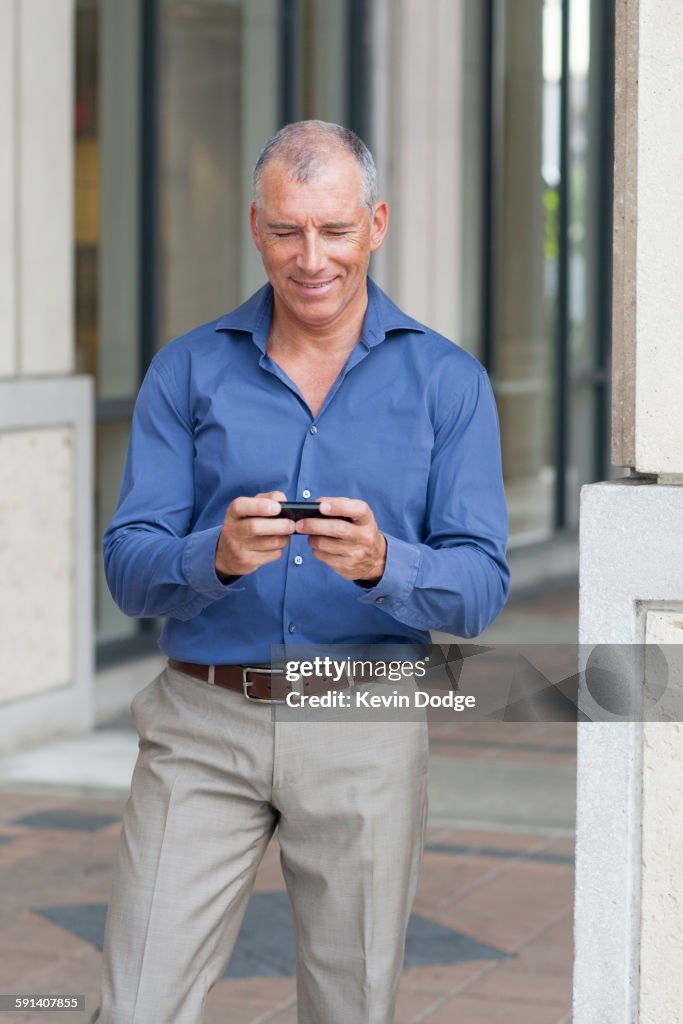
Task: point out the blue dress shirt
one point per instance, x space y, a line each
409 426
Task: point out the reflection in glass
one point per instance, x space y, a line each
218 97
105 194
86 185
583 246
527 259
220 84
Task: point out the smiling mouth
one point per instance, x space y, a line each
314 286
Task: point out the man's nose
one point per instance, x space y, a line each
312 258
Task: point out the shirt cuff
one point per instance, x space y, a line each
400 572
199 564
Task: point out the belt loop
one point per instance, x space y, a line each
212 675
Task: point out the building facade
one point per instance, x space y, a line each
490 121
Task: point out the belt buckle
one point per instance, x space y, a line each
261 671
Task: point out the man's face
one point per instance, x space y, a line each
316 238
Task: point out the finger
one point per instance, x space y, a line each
325 527
332 546
244 508
340 565
355 509
257 526
267 544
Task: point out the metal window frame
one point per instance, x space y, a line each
493 14
109 410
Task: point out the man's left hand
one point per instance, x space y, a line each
356 550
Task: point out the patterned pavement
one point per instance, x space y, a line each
490 938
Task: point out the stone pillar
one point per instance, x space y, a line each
418 79
45 412
629 878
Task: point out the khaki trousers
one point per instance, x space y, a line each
215 775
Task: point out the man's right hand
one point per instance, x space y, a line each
251 537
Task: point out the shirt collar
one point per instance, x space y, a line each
381 318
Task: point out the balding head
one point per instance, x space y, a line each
305 148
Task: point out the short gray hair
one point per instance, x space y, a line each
306 146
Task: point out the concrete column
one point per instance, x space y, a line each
45 414
8 169
44 133
417 133
629 877
648 214
259 119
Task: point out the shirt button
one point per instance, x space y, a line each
298 560
306 493
379 600
291 627
313 429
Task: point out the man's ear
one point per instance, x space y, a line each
253 225
380 225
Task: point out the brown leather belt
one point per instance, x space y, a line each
259 682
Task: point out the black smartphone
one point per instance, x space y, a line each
304 510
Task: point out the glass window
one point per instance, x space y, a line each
206 79
86 185
546 325
218 104
221 96
106 183
589 162
106 256
526 259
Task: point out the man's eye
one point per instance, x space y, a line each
285 234
337 234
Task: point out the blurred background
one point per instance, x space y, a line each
491 124
135 125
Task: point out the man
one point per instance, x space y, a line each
317 387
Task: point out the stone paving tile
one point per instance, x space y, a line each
512 984
551 952
410 1005
75 975
491 738
472 1010
517 841
270 873
562 844
514 906
444 877
31 933
438 980
243 1001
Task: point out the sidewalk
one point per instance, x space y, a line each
490 938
